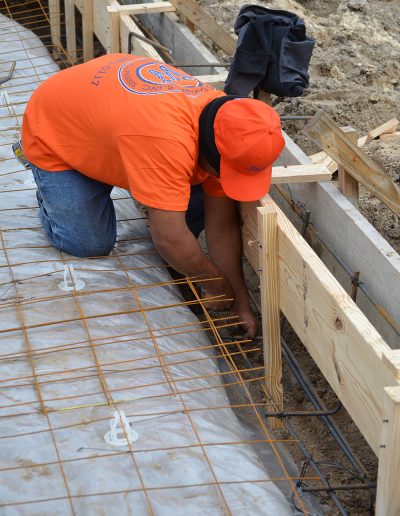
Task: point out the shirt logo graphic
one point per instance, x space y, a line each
157 78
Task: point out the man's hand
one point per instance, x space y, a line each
225 249
245 316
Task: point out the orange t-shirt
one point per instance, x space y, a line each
124 120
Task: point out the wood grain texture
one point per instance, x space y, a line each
147 8
87 29
390 136
345 346
206 23
392 360
388 492
387 127
70 29
55 23
326 133
347 184
113 40
300 174
269 256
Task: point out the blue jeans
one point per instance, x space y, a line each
78 213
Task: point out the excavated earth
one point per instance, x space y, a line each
355 78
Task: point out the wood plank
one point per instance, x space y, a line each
300 174
387 127
326 133
206 24
268 252
378 317
147 8
388 492
87 29
392 359
113 40
216 80
70 29
55 23
344 345
347 184
100 19
390 136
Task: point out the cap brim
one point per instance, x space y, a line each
244 187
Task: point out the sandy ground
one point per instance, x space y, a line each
355 77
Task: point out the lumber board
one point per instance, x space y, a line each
268 259
388 492
147 8
55 23
113 40
100 20
87 29
216 80
392 359
384 323
390 136
300 174
70 30
206 24
343 343
326 133
388 127
347 184
319 157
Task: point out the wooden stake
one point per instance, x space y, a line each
388 492
114 30
347 184
87 29
70 29
55 23
269 263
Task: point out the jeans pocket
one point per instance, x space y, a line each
294 61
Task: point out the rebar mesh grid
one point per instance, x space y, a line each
69 360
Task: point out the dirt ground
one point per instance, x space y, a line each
355 77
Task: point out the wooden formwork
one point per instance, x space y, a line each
362 369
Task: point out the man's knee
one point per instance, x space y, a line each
101 246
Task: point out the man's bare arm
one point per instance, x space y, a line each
180 249
224 244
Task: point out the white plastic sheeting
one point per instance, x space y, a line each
105 347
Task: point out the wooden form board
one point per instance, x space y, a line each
354 243
388 492
300 174
267 219
326 133
341 340
347 184
55 23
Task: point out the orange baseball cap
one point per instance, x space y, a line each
249 138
